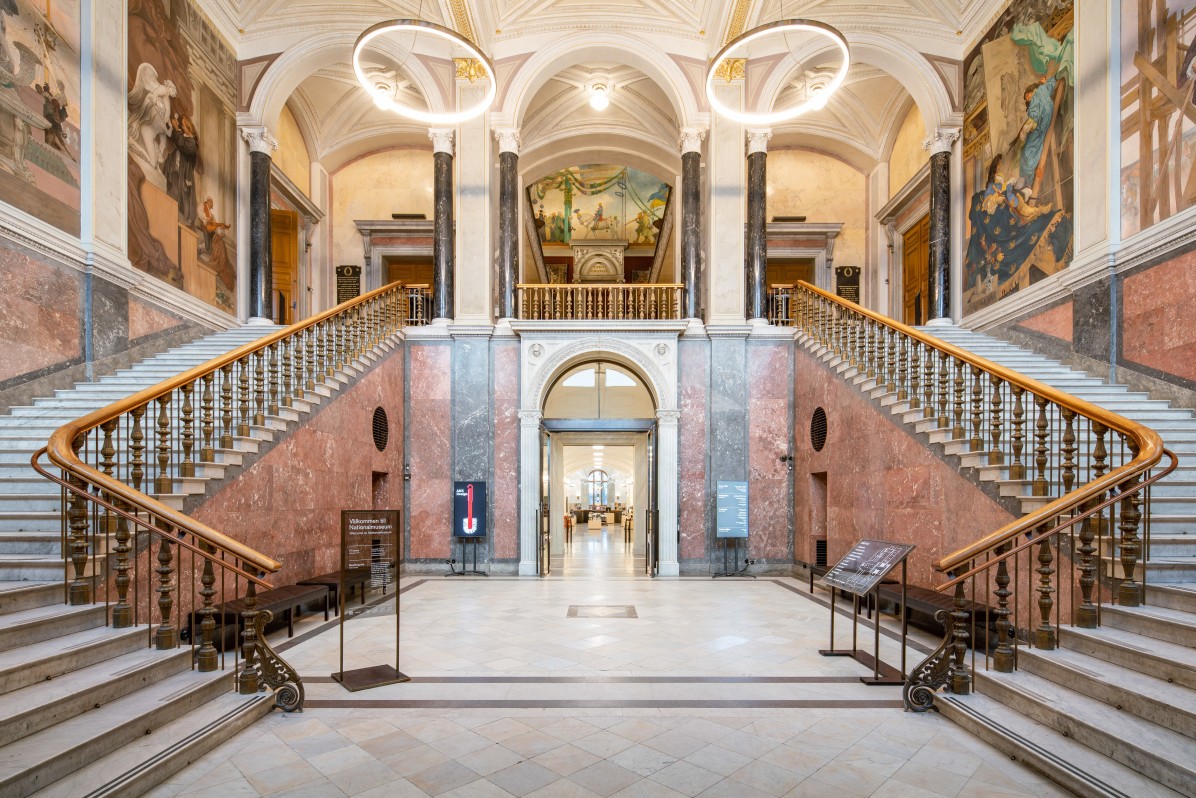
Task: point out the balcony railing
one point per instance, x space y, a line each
600 301
417 309
781 305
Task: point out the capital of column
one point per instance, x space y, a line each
259 139
508 139
691 139
941 140
530 418
757 139
668 418
442 139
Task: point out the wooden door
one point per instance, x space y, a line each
787 271
415 270
915 272
284 254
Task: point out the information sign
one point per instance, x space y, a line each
348 283
865 565
469 510
369 542
847 283
732 509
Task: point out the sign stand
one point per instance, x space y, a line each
858 574
469 525
369 541
731 526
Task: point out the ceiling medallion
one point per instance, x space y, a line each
385 99
723 66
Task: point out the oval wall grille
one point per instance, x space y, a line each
818 429
381 429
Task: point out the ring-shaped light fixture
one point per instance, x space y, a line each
384 100
779 27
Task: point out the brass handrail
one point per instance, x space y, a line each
1149 444
61 453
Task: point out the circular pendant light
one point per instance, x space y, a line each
383 98
783 26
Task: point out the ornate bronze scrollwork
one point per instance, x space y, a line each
274 672
933 672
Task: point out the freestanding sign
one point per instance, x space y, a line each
732 509
469 524
370 543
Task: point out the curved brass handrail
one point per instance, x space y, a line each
60 451
1148 442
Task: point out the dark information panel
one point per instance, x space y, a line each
469 510
348 283
865 565
370 542
847 283
732 509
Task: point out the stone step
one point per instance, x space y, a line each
1157 753
1163 660
40 567
1161 623
30 542
29 521
25 626
1144 696
1172 596
49 659
151 759
15 596
1066 762
40 759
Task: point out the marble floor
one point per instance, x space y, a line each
597 552
610 685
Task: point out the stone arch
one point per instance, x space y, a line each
545 369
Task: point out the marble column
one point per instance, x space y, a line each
691 218
442 225
529 489
667 453
756 257
508 226
261 277
940 143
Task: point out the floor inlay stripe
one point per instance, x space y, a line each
315 703
615 680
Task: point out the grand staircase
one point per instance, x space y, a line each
1110 711
83 705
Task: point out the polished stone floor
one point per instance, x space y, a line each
597 552
601 685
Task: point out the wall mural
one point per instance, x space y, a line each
598 202
1158 76
39 109
1018 151
182 150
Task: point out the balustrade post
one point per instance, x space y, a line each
258 359
915 372
108 466
995 455
166 636
310 346
187 466
207 422
944 389
1091 529
893 335
164 483
273 403
977 442
288 371
1068 448
959 382
226 406
1041 486
1003 658
959 677
1044 635
1017 469
243 396
137 447
247 679
928 383
1129 592
80 548
207 659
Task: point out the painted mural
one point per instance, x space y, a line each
1018 151
182 150
1158 124
39 109
598 202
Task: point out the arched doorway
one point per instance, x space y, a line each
631 402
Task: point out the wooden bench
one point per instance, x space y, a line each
921 604
356 579
286 601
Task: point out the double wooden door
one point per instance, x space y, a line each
915 272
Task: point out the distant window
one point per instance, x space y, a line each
617 379
582 379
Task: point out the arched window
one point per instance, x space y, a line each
599 389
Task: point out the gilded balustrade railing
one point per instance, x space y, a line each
126 467
600 301
1083 473
781 305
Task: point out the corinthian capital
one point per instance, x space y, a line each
442 139
259 139
941 140
691 139
508 139
757 139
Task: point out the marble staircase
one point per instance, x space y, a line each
1111 712
86 709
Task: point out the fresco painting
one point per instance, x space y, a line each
39 109
598 201
182 150
1158 118
1018 151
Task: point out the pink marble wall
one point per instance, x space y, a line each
1056 322
769 382
146 319
1158 328
505 498
430 452
881 482
287 504
40 314
694 379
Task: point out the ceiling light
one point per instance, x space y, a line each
598 99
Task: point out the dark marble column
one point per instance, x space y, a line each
508 227
939 294
442 225
261 269
756 254
691 219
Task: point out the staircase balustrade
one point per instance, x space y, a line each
606 302
1082 472
126 540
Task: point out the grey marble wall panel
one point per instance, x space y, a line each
472 431
109 329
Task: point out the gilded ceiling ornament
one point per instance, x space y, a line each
732 69
469 69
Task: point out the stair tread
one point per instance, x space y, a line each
1134 681
57 646
1157 613
1083 763
1178 654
